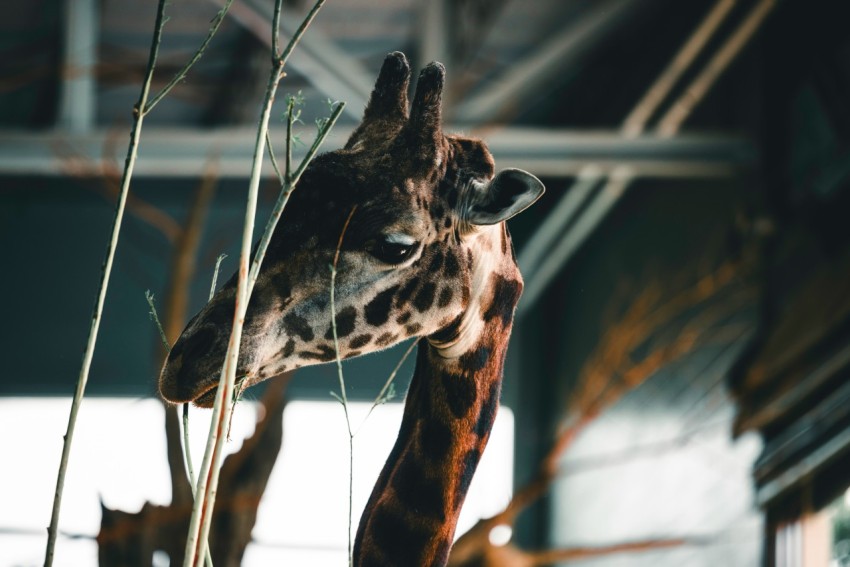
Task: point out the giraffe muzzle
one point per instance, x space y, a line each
193 367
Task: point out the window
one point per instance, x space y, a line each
817 539
119 456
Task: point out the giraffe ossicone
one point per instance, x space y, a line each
426 254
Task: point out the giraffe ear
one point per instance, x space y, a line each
510 192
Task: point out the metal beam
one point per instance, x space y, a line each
169 152
527 76
79 60
537 261
615 187
330 69
683 107
638 118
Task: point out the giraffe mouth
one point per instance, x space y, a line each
206 398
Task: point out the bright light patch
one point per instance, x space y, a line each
119 456
161 559
500 535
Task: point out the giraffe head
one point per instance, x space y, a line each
425 235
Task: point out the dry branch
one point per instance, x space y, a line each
140 110
205 494
129 539
132 152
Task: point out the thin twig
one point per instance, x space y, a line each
320 138
210 468
284 57
208 481
215 274
333 318
181 74
387 384
187 454
276 34
273 159
578 553
183 268
129 164
290 118
289 183
343 398
155 317
190 469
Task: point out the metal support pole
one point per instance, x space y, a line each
435 33
79 81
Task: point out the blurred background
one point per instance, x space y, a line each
677 386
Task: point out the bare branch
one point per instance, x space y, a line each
181 74
213 455
132 152
343 398
578 553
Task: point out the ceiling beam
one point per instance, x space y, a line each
170 152
551 261
525 77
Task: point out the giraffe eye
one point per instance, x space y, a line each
392 249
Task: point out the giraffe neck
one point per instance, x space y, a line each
412 514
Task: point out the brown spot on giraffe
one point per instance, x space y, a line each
413 329
407 292
423 253
360 341
345 320
323 353
505 296
425 297
386 339
377 311
445 297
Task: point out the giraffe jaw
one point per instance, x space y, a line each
185 378
202 393
206 399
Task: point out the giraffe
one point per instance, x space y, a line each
426 253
